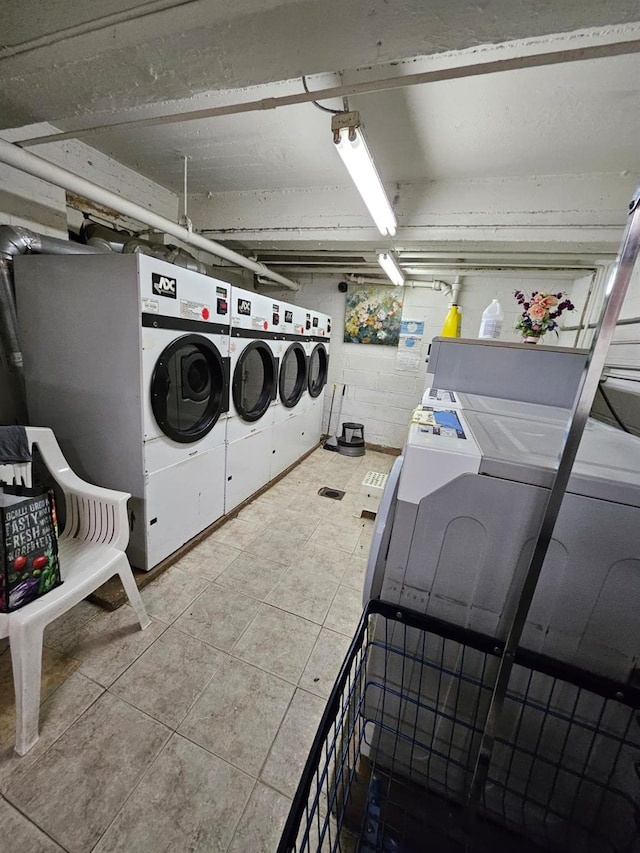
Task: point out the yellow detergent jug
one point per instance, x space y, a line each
451 328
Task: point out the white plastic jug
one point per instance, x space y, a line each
491 323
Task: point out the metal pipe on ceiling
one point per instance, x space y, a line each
25 161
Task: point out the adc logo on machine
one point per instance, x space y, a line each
288 316
162 285
244 306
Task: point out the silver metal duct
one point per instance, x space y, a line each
15 240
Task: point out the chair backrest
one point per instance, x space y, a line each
17 473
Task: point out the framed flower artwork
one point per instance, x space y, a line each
373 315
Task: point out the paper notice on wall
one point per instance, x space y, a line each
412 327
408 355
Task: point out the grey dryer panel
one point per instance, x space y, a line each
505 369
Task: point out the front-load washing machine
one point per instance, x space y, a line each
126 358
254 379
318 337
288 423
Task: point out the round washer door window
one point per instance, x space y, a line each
293 375
189 388
254 381
318 363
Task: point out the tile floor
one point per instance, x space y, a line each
191 735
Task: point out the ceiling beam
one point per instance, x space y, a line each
456 72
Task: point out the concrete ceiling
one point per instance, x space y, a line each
76 65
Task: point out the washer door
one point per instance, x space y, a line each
293 375
318 364
254 381
189 388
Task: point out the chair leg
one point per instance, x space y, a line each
133 594
26 658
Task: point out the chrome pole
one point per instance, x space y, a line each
615 293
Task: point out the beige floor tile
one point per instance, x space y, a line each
324 561
238 715
262 823
252 575
110 643
332 534
20 836
189 800
208 559
280 546
344 614
295 518
305 593
363 545
56 668
218 616
278 642
355 572
168 596
57 713
236 533
277 500
61 629
291 747
168 678
76 789
261 512
324 664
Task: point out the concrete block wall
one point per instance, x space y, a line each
378 394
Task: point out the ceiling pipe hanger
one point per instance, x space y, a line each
25 161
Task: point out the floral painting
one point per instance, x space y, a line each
373 316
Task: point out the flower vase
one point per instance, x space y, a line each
531 339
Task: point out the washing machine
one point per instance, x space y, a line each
318 338
288 420
254 389
484 403
127 360
460 514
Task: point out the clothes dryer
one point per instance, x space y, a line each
318 338
254 375
288 423
126 358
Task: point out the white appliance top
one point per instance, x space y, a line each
171 291
497 405
607 466
436 452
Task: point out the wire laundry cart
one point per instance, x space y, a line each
392 762
438 738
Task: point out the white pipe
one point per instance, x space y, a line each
455 290
30 163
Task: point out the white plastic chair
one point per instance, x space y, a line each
91 550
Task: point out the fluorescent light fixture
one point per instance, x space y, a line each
352 147
390 266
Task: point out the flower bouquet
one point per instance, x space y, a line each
540 313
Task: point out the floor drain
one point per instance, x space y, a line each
334 494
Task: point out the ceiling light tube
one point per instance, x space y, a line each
351 146
390 266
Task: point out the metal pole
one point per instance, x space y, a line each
615 292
